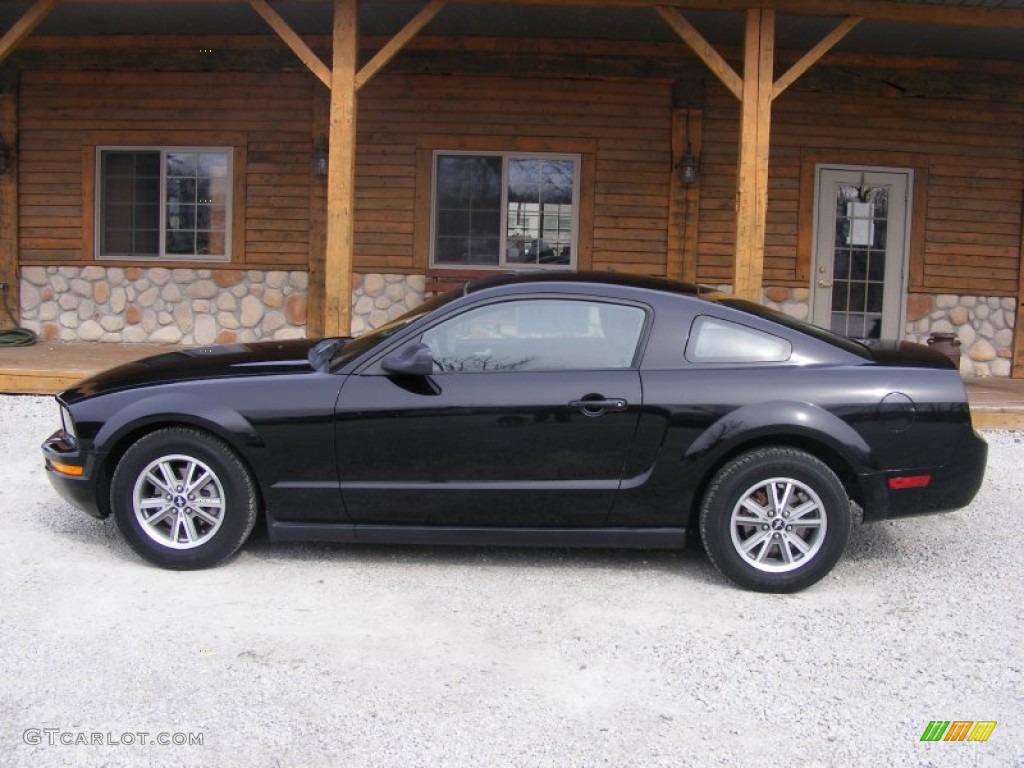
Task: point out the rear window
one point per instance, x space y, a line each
842 342
713 340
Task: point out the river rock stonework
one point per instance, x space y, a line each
156 304
984 325
377 299
221 306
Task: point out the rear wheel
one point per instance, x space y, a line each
183 499
775 519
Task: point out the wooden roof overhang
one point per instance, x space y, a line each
755 87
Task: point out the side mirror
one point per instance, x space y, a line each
413 360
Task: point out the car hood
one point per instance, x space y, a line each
257 359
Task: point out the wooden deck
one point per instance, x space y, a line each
48 367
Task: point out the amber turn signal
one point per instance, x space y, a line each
66 469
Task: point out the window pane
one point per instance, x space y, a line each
196 203
128 201
719 341
468 219
181 242
540 212
538 335
182 164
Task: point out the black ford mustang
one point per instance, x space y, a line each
546 409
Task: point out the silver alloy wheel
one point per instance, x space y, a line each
178 501
778 525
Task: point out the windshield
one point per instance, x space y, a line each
843 342
370 339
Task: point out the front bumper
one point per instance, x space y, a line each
61 455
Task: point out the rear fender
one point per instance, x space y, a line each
781 419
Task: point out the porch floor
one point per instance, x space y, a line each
48 367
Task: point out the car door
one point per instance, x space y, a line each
527 419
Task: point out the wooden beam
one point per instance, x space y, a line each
23 27
399 41
293 41
317 226
810 58
1018 330
341 172
10 295
755 140
704 50
910 12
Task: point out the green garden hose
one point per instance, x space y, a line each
15 337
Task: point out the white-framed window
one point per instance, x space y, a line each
504 209
164 202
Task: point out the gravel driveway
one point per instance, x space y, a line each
386 656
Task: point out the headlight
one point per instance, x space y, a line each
67 424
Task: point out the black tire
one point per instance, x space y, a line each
201 517
775 519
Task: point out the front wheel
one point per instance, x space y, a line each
183 499
775 519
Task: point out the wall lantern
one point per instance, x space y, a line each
320 156
5 154
689 165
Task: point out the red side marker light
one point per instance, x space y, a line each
910 481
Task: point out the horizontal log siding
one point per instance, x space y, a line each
629 121
59 110
974 159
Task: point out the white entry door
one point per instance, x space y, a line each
859 265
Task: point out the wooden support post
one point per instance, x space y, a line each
10 297
755 134
317 227
341 172
1018 331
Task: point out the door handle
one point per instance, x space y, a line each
598 406
824 284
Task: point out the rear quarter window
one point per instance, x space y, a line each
713 340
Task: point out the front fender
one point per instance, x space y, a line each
195 409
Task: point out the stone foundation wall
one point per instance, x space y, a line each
173 306
377 299
209 306
983 324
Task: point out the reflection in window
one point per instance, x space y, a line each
538 335
504 210
719 341
160 202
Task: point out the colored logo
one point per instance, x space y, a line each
958 730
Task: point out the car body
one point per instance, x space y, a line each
556 409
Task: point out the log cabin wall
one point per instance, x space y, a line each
65 115
967 157
260 292
971 155
621 129
965 148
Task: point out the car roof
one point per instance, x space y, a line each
552 277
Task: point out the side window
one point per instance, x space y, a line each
713 340
538 335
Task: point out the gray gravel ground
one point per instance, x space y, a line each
385 656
